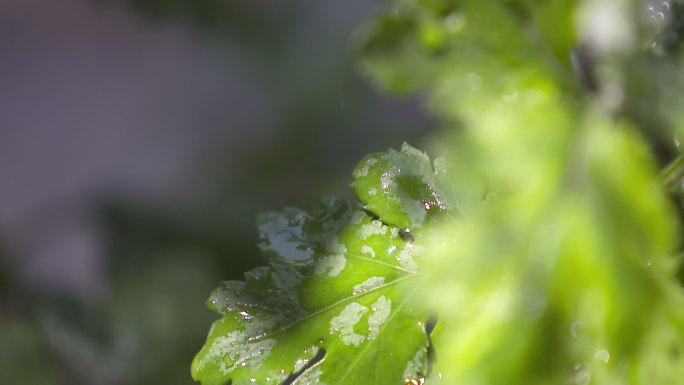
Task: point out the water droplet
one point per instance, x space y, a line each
439 375
282 371
414 381
473 81
382 309
420 323
373 228
602 355
406 236
345 321
252 380
386 180
574 328
365 249
213 305
243 363
426 205
455 22
245 315
306 350
510 96
300 364
332 264
581 377
406 257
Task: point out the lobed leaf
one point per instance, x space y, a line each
343 315
400 187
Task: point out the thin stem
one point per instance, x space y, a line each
672 175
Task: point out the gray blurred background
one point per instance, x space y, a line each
138 141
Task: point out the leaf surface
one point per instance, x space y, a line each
336 305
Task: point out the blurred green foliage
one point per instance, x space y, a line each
564 111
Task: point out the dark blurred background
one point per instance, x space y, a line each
138 141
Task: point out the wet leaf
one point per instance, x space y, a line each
344 315
401 187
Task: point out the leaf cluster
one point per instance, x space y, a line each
544 241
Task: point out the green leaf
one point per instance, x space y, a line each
400 187
566 280
294 235
351 302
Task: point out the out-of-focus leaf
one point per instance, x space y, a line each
565 273
23 348
495 48
565 280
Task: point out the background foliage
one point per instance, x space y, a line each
565 271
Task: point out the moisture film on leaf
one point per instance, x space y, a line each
337 304
400 187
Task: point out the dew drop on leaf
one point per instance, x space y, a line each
375 227
602 355
574 328
365 249
332 264
369 284
381 312
455 22
345 321
473 81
